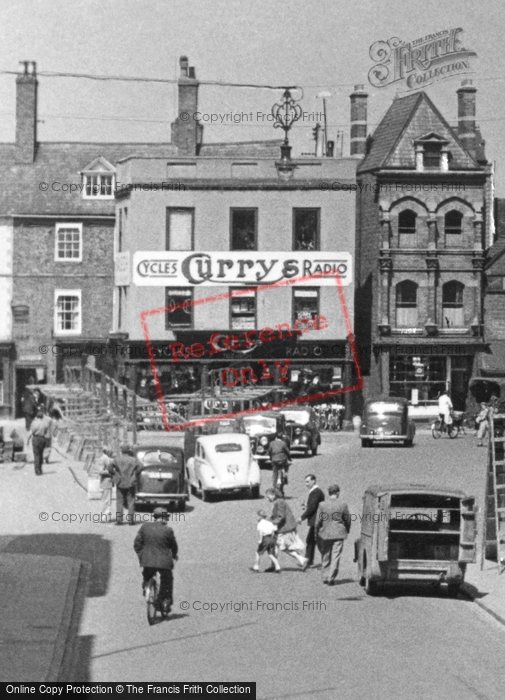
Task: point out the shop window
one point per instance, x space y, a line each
68 242
406 304
243 229
425 374
452 304
453 222
407 221
305 304
67 312
306 229
181 317
179 233
243 310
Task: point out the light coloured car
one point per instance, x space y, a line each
223 464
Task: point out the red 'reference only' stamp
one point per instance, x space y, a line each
242 340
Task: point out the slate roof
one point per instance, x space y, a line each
496 253
408 118
62 163
20 191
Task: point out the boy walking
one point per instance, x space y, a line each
267 542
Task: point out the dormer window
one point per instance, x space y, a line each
431 153
432 156
98 180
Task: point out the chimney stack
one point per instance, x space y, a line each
358 120
26 113
466 116
186 130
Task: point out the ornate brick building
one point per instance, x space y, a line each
424 220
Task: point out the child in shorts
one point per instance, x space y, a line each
266 543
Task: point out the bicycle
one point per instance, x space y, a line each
440 426
153 606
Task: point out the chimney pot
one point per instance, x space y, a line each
192 73
183 62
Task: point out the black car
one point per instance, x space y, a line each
262 427
302 428
161 479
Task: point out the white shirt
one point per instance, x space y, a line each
444 404
265 527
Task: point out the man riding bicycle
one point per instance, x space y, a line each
280 457
156 548
445 408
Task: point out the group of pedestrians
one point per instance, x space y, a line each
328 523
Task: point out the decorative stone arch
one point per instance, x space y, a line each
406 297
451 239
421 232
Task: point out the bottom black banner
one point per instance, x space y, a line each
182 690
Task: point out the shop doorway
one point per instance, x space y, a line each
24 377
461 371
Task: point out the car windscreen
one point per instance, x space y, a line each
229 447
254 425
381 408
300 417
154 457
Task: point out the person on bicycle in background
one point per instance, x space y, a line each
445 408
280 457
156 548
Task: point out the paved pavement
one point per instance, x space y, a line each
299 651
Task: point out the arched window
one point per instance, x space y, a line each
406 304
407 221
452 304
453 222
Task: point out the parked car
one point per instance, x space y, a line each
161 479
302 426
262 427
415 534
387 420
223 464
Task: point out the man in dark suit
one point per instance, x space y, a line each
333 523
125 470
315 497
156 548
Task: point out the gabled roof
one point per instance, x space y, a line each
407 120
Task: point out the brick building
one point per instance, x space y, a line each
57 217
224 208
424 220
489 375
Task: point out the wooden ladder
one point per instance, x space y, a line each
494 524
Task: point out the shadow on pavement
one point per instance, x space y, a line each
92 549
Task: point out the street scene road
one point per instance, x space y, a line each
295 637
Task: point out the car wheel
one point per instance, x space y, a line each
181 506
453 590
409 442
255 491
365 443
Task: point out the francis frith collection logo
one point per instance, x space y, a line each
420 62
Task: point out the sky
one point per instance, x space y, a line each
320 45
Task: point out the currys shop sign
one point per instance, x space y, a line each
244 268
420 62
